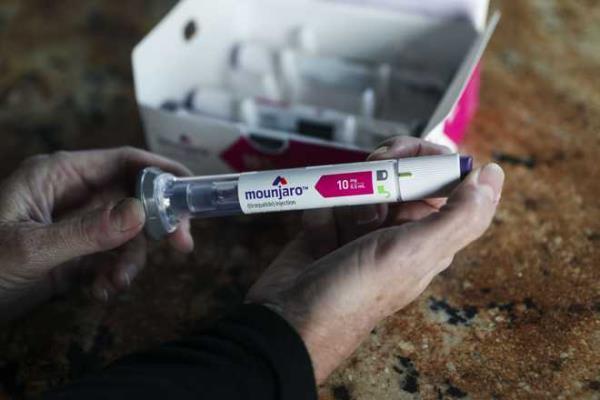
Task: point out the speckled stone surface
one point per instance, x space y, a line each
517 316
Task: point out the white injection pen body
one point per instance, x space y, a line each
166 198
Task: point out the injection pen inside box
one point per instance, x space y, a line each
167 199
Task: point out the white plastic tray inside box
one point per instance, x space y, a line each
190 51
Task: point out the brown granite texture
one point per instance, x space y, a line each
517 316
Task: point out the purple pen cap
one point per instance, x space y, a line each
466 166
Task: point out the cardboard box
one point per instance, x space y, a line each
191 49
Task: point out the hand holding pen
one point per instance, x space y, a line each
351 267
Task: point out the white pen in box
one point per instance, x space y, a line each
306 120
167 199
302 119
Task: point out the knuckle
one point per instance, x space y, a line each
439 148
60 171
60 157
127 152
58 161
403 140
85 232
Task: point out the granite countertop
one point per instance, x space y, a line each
516 316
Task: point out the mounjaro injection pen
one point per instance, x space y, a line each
167 199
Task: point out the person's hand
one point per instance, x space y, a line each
56 209
350 268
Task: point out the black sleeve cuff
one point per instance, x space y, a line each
253 354
282 347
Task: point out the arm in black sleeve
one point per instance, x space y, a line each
253 354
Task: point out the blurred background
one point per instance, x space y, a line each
517 315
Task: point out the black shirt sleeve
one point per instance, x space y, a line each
254 354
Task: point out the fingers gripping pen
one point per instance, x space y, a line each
167 199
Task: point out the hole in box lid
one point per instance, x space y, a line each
316 129
267 144
190 30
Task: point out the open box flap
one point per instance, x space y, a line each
473 10
461 79
166 64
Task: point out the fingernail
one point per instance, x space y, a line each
187 235
366 214
127 274
381 150
492 176
100 293
131 270
125 279
126 215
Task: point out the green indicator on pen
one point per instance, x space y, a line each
383 191
405 175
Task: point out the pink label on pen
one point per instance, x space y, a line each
349 184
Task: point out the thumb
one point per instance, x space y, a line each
100 230
465 217
468 212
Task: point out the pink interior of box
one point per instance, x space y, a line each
455 126
244 155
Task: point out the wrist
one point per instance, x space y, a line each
328 340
